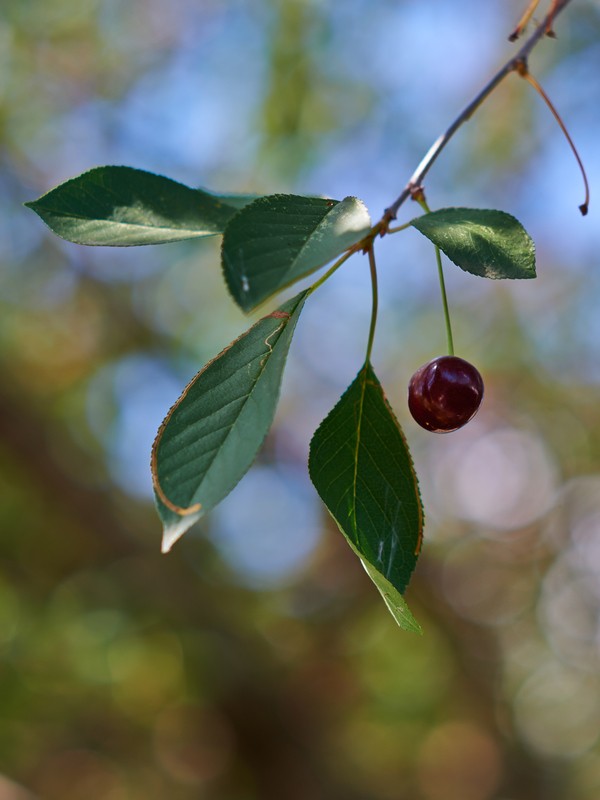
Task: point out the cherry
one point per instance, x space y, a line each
444 394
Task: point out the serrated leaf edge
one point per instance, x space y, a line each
172 533
220 198
531 242
285 285
367 565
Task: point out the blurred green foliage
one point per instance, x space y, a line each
128 675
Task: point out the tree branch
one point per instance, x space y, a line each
436 148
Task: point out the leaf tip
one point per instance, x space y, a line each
169 537
174 530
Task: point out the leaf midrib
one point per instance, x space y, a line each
363 388
70 215
285 276
292 266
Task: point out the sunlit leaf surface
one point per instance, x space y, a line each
491 244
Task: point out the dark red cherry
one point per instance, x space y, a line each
444 394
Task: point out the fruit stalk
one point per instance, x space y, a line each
449 337
420 198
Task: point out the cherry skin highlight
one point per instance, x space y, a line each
444 394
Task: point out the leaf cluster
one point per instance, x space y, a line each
359 461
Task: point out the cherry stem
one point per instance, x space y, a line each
375 305
438 257
449 337
524 73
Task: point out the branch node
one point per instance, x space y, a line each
521 67
417 193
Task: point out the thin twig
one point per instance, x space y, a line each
434 151
524 73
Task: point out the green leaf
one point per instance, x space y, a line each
236 201
279 239
122 206
174 525
212 434
396 604
362 469
491 244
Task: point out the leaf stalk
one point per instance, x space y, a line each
375 306
331 270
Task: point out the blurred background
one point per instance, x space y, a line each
257 660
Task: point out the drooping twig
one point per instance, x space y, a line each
524 73
434 151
